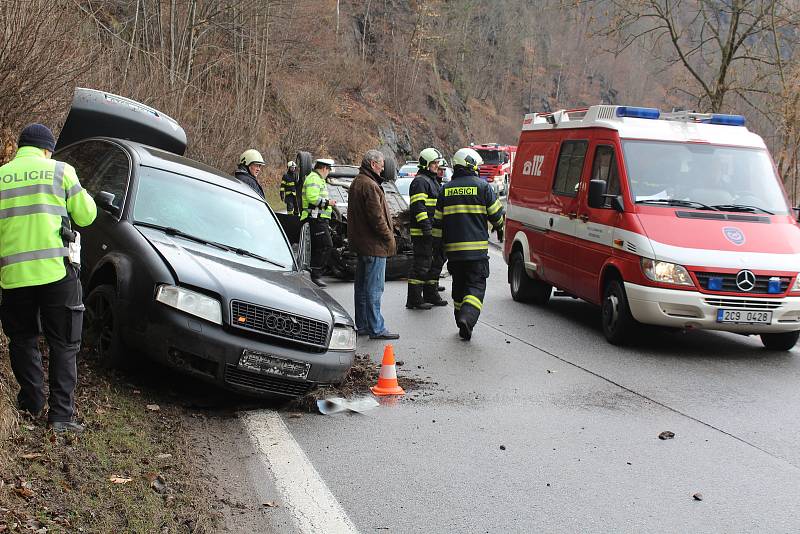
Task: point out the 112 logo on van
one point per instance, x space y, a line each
534 166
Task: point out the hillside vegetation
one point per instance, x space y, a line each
339 76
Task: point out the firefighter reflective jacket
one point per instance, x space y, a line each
288 183
463 208
423 193
35 193
315 198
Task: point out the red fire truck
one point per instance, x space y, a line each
497 163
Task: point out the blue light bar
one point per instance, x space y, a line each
638 113
727 120
715 283
774 285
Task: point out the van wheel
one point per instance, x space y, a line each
618 323
101 326
523 287
782 341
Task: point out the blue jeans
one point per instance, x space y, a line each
368 287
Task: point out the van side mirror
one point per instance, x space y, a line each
105 201
597 193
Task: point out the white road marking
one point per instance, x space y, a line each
306 496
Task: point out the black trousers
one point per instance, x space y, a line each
291 205
321 245
469 288
427 263
60 307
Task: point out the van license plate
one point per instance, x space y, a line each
259 362
744 316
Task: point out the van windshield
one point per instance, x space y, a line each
209 212
703 176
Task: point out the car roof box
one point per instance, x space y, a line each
100 114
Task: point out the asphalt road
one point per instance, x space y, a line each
539 425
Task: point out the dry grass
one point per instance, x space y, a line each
63 482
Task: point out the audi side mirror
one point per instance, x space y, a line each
105 201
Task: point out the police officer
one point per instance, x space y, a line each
317 209
423 281
250 165
38 196
463 208
287 191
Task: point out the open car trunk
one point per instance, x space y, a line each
100 114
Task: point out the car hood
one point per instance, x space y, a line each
235 277
772 244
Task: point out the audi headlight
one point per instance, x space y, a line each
190 302
666 273
796 286
343 338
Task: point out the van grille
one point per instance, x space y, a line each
744 303
279 324
265 383
729 283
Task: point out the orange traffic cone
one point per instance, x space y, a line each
387 380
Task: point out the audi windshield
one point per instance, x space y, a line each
203 212
703 176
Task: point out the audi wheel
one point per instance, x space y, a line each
101 326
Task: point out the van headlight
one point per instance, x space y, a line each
666 273
191 302
343 338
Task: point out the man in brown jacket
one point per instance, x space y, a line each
371 235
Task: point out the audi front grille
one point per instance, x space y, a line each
279 324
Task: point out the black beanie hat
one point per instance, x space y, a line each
37 135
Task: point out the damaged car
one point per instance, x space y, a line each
342 260
189 267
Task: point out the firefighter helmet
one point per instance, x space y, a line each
467 158
428 156
291 164
251 156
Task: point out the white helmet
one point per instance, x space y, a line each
251 156
467 158
319 162
428 156
291 164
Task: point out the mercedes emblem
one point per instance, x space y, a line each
746 280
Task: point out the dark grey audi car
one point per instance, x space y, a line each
189 267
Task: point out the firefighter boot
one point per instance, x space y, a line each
414 301
430 294
466 320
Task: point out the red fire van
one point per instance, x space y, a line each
672 219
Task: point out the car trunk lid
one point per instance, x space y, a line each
100 114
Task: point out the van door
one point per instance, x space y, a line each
559 246
595 226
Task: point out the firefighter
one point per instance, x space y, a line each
250 165
288 183
39 273
423 281
317 209
463 208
